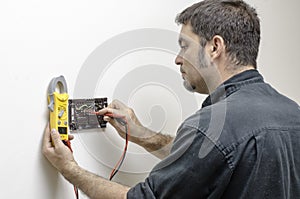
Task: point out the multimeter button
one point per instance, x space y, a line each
59 122
65 122
61 113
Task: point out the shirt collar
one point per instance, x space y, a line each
233 84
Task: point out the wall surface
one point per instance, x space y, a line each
116 49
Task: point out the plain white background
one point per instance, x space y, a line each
43 39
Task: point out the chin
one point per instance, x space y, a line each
188 86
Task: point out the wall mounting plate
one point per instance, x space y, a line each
82 113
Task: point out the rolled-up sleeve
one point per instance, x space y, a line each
141 190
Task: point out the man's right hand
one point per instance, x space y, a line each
137 130
156 143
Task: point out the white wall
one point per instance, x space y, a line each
43 39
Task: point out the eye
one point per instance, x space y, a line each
183 47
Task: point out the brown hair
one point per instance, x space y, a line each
234 20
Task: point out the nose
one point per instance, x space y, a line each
179 60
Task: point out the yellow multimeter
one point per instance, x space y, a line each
58 106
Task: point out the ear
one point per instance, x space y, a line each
216 47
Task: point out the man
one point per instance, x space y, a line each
243 143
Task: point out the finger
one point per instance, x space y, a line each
56 138
47 137
110 119
114 104
109 112
70 137
117 124
118 104
107 118
104 110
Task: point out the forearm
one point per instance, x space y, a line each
159 145
92 185
156 143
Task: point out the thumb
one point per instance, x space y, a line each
55 138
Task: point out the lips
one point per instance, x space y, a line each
181 70
182 73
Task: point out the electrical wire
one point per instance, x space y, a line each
68 144
123 121
120 162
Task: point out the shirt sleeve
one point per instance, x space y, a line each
186 173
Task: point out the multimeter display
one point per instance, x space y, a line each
62 130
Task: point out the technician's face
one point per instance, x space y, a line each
192 60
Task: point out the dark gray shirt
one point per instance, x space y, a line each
243 143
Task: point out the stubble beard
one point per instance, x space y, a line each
203 63
188 86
